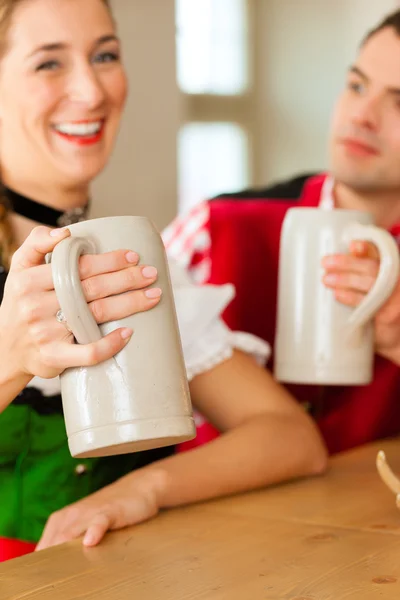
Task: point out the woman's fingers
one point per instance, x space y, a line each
41 309
119 282
97 529
63 355
40 242
124 305
113 276
91 265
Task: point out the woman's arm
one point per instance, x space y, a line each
11 381
267 438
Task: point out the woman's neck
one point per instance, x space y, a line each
56 197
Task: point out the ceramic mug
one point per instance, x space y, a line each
140 398
318 339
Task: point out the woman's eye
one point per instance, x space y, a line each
105 57
49 65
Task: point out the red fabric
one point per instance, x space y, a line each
14 548
245 238
205 433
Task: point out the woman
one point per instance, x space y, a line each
62 92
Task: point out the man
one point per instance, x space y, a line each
235 238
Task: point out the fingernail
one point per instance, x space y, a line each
153 293
149 272
359 247
341 295
126 333
132 257
330 279
89 539
57 232
328 261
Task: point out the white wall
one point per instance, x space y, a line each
141 178
304 49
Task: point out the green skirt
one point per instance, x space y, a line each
38 475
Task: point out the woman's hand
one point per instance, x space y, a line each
351 276
32 340
128 501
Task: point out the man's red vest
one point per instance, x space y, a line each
245 233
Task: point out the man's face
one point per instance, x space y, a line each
365 132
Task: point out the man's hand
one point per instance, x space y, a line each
351 276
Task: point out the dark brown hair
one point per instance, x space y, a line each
392 20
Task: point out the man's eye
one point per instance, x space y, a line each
356 87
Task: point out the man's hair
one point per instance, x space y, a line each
392 20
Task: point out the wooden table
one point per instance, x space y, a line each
334 537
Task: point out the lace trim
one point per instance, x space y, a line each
245 342
209 363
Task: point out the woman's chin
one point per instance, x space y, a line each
83 173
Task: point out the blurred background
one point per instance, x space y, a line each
226 94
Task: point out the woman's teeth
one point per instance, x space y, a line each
79 129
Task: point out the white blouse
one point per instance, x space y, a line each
206 340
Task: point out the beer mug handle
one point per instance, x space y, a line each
67 283
388 274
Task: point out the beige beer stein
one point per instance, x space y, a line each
319 340
139 399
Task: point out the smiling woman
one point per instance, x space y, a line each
70 92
